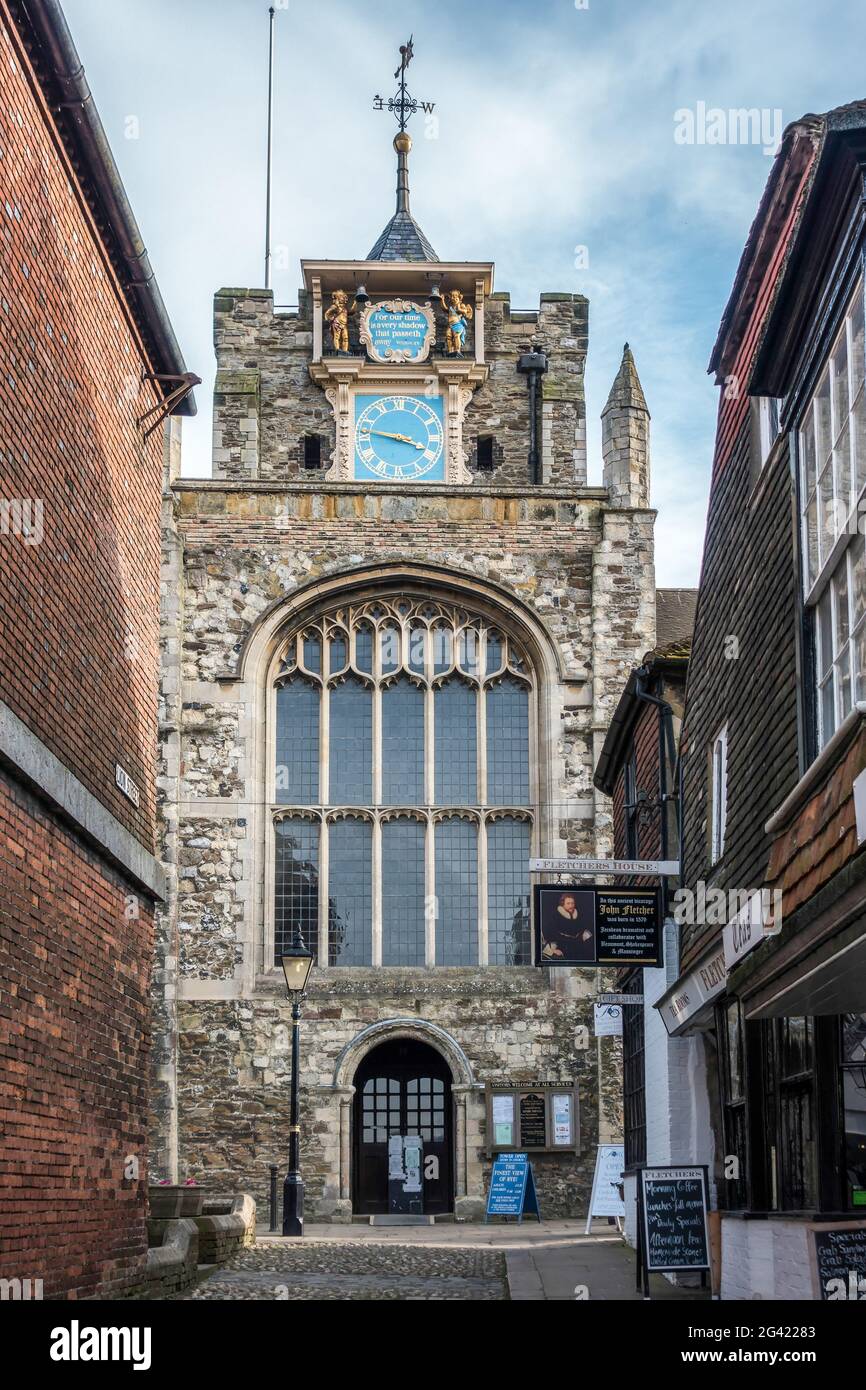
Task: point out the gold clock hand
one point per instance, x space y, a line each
403 438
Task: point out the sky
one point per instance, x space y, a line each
560 151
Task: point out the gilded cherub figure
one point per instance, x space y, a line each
337 315
459 313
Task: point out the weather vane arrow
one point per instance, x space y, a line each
403 105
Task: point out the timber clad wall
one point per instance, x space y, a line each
78 622
748 593
78 665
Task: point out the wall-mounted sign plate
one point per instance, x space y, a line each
398 330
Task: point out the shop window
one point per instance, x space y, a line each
733 1097
853 1062
790 1097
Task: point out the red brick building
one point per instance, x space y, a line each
639 770
83 332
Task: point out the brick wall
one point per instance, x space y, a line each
78 665
73 1056
78 622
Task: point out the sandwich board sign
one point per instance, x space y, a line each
673 1232
512 1188
605 1199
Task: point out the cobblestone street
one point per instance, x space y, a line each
549 1261
351 1269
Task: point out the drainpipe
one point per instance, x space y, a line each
667 748
76 100
533 365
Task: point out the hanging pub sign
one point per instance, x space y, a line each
597 926
512 1188
673 1233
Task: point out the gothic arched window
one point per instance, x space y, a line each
402 798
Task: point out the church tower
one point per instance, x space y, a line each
397 621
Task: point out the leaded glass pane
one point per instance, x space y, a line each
403 892
312 648
507 743
456 770
350 892
402 744
494 652
339 654
508 892
389 649
468 652
296 883
443 646
364 648
296 774
417 648
351 744
456 892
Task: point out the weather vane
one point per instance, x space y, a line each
403 105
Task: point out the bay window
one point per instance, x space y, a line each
831 444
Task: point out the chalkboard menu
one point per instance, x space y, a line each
533 1126
840 1259
674 1218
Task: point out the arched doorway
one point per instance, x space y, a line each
402 1087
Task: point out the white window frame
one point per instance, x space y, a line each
833 492
768 425
718 794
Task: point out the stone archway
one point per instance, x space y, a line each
462 1087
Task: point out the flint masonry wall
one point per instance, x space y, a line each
265 403
239 551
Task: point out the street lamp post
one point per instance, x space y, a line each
297 962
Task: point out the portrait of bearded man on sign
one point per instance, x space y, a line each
568 928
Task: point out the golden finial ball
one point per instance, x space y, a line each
403 142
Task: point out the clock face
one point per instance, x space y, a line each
399 437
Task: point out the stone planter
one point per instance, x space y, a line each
175 1201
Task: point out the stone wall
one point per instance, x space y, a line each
263 383
514 1025
246 557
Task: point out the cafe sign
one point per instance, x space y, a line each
688 998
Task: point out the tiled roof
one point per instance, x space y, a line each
402 240
675 616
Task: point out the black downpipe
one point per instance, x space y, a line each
76 99
667 748
533 365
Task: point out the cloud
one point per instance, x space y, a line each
556 129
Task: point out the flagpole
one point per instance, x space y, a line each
270 147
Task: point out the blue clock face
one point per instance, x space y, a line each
399 438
